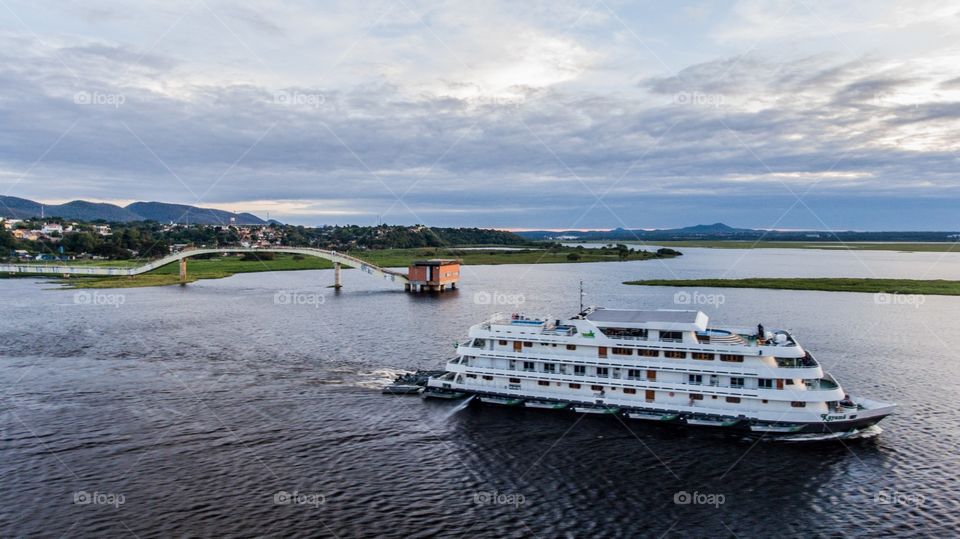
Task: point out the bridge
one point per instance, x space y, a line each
338 259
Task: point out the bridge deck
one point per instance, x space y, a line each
333 256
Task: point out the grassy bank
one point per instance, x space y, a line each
219 267
833 246
890 286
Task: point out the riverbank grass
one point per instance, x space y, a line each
889 286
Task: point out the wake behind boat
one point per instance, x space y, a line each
667 366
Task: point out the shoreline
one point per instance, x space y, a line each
932 287
226 266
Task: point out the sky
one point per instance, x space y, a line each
555 114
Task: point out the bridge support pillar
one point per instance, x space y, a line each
183 271
337 283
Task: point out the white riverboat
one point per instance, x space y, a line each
669 366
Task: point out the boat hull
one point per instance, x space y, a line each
741 425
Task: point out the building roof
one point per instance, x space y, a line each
436 262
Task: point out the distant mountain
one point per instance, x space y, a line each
720 231
179 213
81 210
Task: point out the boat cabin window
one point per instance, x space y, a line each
674 354
543 383
596 388
629 391
696 397
471 376
622 351
733 358
580 370
528 344
733 400
571 347
703 356
648 353
574 386
528 365
624 333
695 378
765 383
603 372
514 380
488 377
549 367
503 342
633 374
736 382
671 336
798 404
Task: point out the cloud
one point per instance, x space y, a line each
468 115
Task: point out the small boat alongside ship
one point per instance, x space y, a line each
665 366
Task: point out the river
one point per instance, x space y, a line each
250 406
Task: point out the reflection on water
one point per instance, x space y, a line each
200 404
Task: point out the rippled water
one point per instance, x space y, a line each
195 406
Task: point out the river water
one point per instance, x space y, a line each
250 406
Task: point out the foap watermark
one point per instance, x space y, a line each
895 497
85 297
699 498
698 298
699 99
886 298
296 98
299 498
290 297
499 298
83 497
99 98
493 497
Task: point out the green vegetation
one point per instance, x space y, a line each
224 266
831 245
890 286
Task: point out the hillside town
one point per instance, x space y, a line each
59 239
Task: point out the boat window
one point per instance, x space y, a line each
648 353
703 356
651 375
603 371
798 404
624 333
503 342
765 383
633 374
675 355
622 352
733 358
671 336
514 380
733 400
736 382
549 367
651 395
471 376
528 344
574 386
542 383
580 369
788 381
596 388
528 365
571 347
695 378
696 397
488 377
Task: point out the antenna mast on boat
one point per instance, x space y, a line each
581 295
